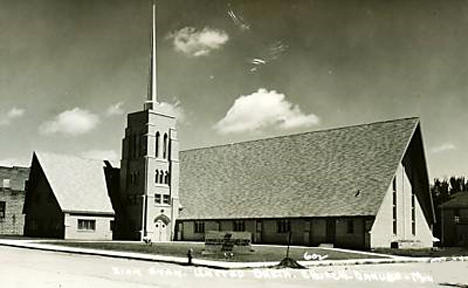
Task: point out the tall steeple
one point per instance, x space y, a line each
152 97
149 168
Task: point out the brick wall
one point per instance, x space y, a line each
13 222
13 196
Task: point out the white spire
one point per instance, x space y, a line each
152 97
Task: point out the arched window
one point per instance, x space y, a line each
156 148
161 176
156 177
166 177
165 146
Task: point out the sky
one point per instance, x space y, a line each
232 71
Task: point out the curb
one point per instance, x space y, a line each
224 265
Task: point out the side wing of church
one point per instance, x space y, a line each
67 197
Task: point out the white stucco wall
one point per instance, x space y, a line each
103 230
382 229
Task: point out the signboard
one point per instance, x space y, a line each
228 241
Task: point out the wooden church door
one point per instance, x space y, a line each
160 231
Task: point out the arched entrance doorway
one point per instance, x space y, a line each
161 228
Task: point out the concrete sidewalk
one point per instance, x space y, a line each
35 244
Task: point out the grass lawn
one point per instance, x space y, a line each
428 252
262 253
21 237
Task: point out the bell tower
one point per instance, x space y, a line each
149 170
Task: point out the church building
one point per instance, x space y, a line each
362 186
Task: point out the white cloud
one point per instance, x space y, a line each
175 109
13 113
198 43
71 122
115 109
101 155
263 109
443 148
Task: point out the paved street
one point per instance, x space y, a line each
31 268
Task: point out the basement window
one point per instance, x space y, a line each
86 225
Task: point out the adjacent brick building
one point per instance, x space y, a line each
12 186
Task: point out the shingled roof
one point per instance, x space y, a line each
337 172
458 200
78 184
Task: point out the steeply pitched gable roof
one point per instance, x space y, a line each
336 172
78 184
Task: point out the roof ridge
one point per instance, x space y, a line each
14 167
69 155
302 133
